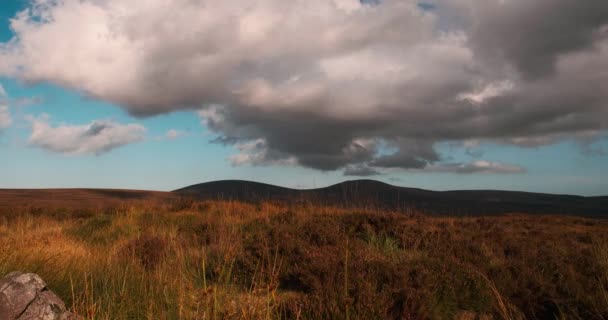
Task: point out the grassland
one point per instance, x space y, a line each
230 260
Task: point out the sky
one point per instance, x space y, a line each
441 95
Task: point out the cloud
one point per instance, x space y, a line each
410 154
471 148
305 82
174 134
480 166
490 90
533 35
171 134
26 101
256 153
5 115
360 171
6 101
97 137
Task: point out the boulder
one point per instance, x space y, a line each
25 296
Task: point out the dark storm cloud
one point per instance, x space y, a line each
335 84
400 160
533 34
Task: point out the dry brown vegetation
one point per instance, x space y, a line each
229 260
44 200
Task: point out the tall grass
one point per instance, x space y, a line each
231 260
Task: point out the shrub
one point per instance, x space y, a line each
148 250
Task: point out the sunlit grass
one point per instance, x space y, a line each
231 260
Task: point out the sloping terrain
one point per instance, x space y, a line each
375 194
76 198
358 193
236 260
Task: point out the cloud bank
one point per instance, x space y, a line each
333 84
95 138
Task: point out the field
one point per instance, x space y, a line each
183 259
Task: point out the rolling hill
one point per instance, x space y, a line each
356 194
371 193
77 198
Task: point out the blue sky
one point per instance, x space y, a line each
157 160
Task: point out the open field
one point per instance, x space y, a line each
182 259
91 199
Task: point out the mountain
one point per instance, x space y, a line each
238 190
356 194
375 194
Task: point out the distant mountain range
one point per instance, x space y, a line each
375 194
353 194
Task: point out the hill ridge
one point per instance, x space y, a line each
369 192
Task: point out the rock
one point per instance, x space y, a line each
25 296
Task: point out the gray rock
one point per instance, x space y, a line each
25 296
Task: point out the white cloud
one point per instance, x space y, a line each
490 90
157 56
310 78
5 115
170 135
479 166
173 134
97 137
256 153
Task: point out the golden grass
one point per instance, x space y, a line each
231 260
